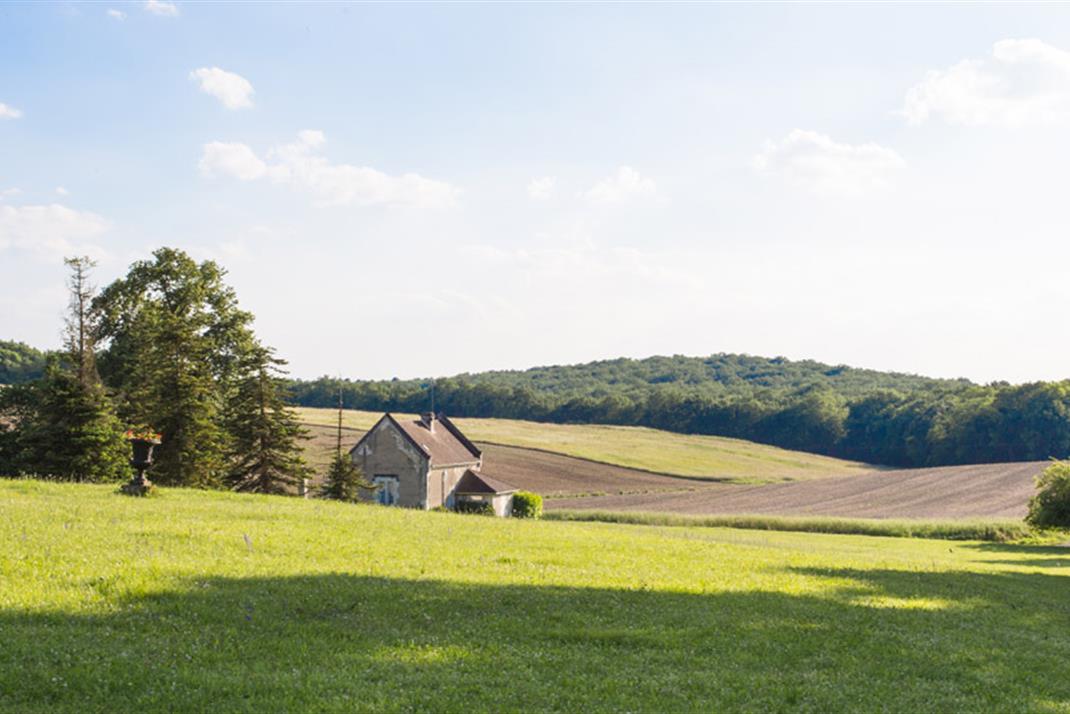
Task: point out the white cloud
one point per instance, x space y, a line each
62 191
233 90
625 184
299 166
160 7
50 230
542 188
9 112
1025 82
9 192
116 14
816 162
231 159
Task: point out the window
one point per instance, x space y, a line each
386 492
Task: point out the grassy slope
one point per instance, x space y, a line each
637 447
210 601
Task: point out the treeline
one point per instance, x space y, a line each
20 363
165 349
884 418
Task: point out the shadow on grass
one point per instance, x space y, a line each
343 642
1053 556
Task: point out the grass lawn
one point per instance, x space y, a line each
636 447
201 601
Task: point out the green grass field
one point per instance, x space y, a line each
203 601
636 447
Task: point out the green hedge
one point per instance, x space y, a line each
1050 507
527 505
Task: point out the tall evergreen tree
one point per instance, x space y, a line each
63 425
82 319
265 450
175 337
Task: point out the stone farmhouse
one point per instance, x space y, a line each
426 463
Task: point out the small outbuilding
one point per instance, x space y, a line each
426 463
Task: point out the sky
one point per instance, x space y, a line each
428 189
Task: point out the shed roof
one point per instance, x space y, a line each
475 482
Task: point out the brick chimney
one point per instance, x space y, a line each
428 420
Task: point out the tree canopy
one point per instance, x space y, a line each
879 417
20 363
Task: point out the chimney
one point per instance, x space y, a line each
428 420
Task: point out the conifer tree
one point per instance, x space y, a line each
82 320
175 336
344 481
265 453
69 430
64 424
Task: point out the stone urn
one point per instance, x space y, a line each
142 446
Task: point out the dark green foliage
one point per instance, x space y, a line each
63 425
265 454
879 417
478 508
344 481
527 505
1050 507
61 428
175 340
20 363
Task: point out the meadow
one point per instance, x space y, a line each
199 600
692 455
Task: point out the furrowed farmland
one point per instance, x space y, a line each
583 467
231 602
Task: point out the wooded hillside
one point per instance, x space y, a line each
19 362
866 415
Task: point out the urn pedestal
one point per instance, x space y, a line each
140 485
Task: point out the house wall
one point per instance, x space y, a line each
503 505
386 451
442 482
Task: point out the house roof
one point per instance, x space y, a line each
444 445
475 482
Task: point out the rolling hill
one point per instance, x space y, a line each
659 452
947 492
585 467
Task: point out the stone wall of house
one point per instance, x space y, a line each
387 452
503 504
442 482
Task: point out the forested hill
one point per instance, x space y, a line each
722 375
717 374
880 417
19 362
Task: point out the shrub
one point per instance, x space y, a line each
1050 507
527 505
481 508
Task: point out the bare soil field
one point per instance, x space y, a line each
714 458
558 475
528 469
977 491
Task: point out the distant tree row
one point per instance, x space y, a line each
20 363
884 418
164 347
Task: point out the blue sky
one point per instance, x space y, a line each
458 187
